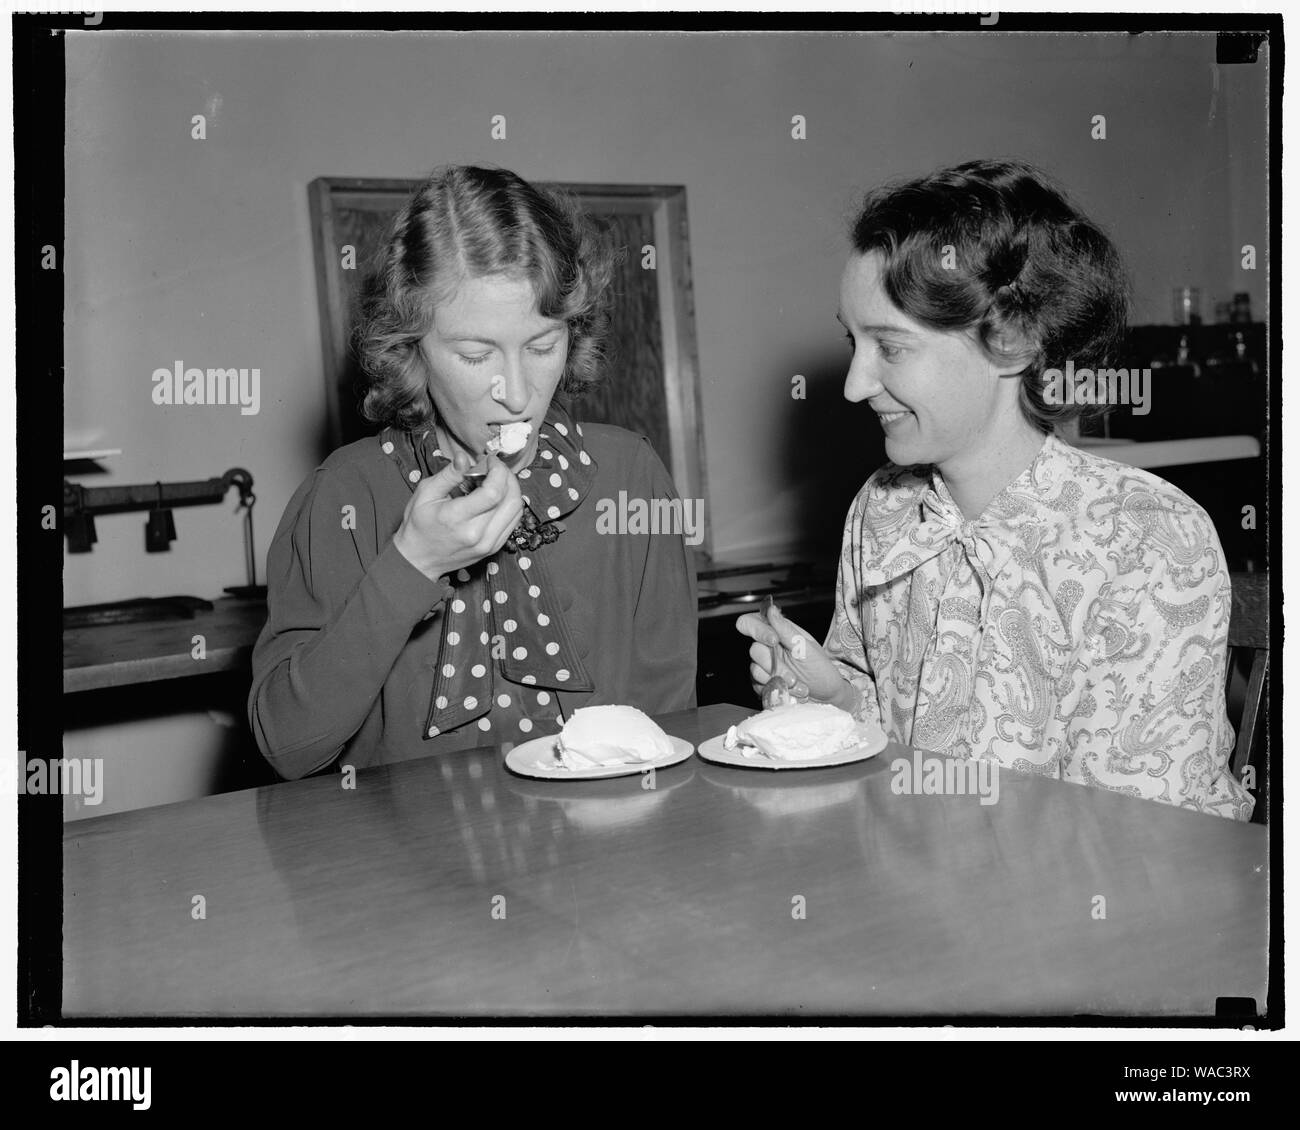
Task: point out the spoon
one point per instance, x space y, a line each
473 479
470 483
776 691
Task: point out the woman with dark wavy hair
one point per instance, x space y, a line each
414 611
1002 594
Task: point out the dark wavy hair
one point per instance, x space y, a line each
469 222
996 248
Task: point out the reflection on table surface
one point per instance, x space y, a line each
449 886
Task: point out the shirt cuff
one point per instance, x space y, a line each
403 587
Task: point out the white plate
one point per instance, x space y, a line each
524 759
872 743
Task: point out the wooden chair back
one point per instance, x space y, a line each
1248 630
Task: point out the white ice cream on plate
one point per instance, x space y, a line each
511 438
598 736
799 731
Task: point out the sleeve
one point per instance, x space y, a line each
1152 720
845 641
666 619
336 625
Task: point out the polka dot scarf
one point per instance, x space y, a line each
505 646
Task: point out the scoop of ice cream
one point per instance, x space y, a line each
511 438
610 735
797 732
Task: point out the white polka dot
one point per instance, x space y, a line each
500 598
560 719
534 591
552 649
573 493
510 625
527 500
448 670
543 619
579 427
437 451
453 638
470 702
520 653
546 455
440 702
584 458
525 724
562 675
543 698
414 476
388 447
564 463
552 511
530 679
503 700
478 670
484 724
487 606
493 568
525 562
561 428
458 605
483 637
462 575
433 731
525 473
556 480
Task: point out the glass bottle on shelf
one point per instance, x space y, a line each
1187 306
1242 352
1184 358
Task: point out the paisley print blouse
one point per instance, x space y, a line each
1078 628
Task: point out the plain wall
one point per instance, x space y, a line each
200 251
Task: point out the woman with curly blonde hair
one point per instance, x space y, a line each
416 608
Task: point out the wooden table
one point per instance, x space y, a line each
116 655
449 887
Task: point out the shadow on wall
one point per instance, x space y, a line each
344 398
826 449
325 444
159 743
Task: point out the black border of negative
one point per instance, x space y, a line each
38 70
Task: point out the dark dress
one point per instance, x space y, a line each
346 666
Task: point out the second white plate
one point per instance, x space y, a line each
714 750
529 760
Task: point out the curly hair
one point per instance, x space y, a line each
996 248
469 222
